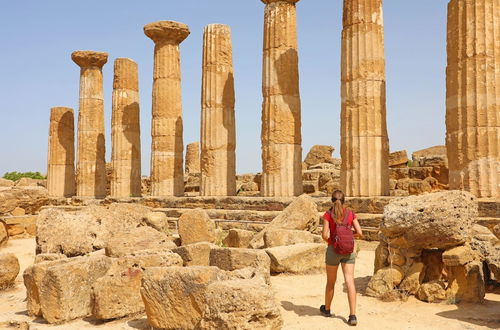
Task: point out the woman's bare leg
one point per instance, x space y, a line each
348 270
331 278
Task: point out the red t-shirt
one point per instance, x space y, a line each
333 224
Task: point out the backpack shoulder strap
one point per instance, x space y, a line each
345 222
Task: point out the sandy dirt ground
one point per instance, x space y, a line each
299 298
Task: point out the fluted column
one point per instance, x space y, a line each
218 134
473 96
281 120
193 158
61 155
91 164
125 131
167 173
364 141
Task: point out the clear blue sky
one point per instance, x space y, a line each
36 71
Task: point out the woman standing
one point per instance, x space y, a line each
338 224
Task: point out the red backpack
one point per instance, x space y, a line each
342 236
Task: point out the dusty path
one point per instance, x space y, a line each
299 297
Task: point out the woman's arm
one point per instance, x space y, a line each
326 230
357 228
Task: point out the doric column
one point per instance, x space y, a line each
61 155
364 142
167 173
125 131
281 120
91 164
473 96
192 158
218 134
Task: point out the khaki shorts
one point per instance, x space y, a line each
334 259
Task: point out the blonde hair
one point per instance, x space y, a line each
338 199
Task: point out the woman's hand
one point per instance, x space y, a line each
326 230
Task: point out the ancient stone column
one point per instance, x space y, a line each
91 165
364 141
61 160
218 134
125 131
281 121
193 158
473 96
167 173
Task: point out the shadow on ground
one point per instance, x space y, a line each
486 314
304 310
360 283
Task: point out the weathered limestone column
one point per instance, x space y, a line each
61 160
473 96
193 158
281 120
364 141
167 173
125 131
218 133
91 164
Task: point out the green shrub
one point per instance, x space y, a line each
14 176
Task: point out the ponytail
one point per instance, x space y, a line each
338 200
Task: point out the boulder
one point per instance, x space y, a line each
435 157
240 304
420 173
196 254
31 199
233 258
297 259
431 221
117 294
399 173
196 226
66 288
319 154
18 211
4 234
136 239
158 221
301 214
238 238
416 187
33 277
458 256
9 268
496 231
466 282
381 256
432 291
282 237
29 182
398 159
384 280
76 233
174 297
413 277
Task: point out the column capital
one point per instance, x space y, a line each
89 58
166 31
267 2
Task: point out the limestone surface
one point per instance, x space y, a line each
196 254
298 258
282 237
281 110
364 141
196 226
319 154
167 173
473 96
218 128
61 155
238 238
136 239
9 268
125 131
91 164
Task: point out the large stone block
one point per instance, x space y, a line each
431 221
298 258
384 281
466 282
66 289
196 226
233 258
9 268
238 238
196 254
4 234
398 159
301 214
136 239
282 237
319 154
